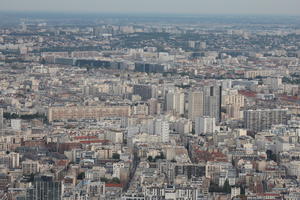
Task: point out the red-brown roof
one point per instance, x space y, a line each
85 137
93 141
113 185
247 93
62 162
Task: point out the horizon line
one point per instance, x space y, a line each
161 14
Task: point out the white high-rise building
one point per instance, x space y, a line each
233 102
175 102
154 106
205 125
213 101
14 160
195 107
232 97
1 119
258 120
161 128
169 101
179 103
206 102
117 169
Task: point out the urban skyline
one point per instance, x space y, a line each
97 104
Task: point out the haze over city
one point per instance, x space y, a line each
265 7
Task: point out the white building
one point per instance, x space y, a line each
195 107
161 128
117 169
175 102
115 136
274 82
30 167
15 124
183 126
293 168
226 84
14 160
205 125
235 191
1 119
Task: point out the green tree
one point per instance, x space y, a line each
31 177
103 179
242 190
81 176
193 131
116 156
150 159
115 180
271 155
226 187
215 188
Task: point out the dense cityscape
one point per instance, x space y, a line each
149 107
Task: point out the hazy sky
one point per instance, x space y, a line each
286 7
